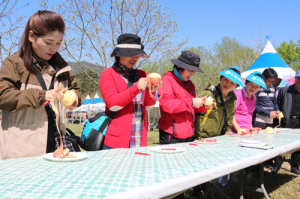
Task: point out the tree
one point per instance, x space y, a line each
93 27
221 56
85 84
290 53
11 26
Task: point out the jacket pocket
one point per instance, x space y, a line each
174 127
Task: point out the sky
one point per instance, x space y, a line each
206 22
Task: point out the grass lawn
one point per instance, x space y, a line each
284 185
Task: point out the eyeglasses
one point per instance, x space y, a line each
271 82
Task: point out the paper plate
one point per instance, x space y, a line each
250 141
258 146
80 156
167 149
198 142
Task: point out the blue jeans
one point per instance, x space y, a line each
106 147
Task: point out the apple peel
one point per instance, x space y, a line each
60 152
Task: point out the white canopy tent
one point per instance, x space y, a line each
270 58
97 104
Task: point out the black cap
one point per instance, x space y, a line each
188 60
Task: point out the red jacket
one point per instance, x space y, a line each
117 97
176 107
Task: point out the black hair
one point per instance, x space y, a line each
117 59
259 75
269 73
178 68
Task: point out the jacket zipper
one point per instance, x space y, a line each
190 108
174 127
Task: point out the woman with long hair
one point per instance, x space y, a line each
28 127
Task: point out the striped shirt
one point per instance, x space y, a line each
266 102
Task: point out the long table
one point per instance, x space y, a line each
119 173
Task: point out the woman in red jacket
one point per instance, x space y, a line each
179 102
124 90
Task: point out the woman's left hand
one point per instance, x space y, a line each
257 129
227 133
154 88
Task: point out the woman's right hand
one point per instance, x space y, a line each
273 114
198 102
142 83
52 92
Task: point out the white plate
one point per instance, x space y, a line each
250 141
283 129
264 132
160 149
259 146
80 156
198 142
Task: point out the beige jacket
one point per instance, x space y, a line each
24 127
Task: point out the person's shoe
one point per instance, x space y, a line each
295 170
274 169
269 163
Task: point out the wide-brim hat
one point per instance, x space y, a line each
256 79
129 45
232 75
188 60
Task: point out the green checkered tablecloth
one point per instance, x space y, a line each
119 173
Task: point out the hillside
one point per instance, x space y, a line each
76 68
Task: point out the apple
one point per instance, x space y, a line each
281 115
269 130
69 98
208 101
155 79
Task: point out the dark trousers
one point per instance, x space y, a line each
262 125
293 123
167 138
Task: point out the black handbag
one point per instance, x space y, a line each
70 141
95 139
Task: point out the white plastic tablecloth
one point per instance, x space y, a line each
119 173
